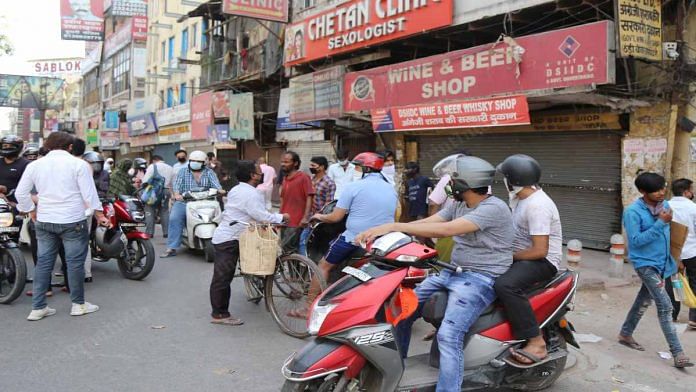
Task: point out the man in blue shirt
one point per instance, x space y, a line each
647 224
369 202
417 192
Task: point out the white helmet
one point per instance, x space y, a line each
198 156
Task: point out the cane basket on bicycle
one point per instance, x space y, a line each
258 250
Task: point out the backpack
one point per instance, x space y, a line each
154 191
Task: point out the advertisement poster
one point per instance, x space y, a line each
242 116
491 112
139 28
31 92
639 23
317 96
576 56
82 20
218 133
91 136
111 120
129 8
221 104
109 140
283 121
201 115
273 10
142 124
356 24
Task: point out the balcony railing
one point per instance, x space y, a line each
248 64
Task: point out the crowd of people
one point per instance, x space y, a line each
503 248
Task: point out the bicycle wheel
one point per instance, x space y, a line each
288 289
253 286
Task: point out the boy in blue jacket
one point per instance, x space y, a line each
647 223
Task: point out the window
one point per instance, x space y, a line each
204 37
171 49
307 3
184 42
194 36
170 97
164 51
161 96
121 71
183 93
105 91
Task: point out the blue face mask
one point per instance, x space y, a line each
195 166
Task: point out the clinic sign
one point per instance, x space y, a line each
573 57
273 10
359 23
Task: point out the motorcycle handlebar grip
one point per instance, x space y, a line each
448 266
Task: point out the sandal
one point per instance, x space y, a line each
632 344
681 361
227 321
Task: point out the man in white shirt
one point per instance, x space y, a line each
684 212
269 177
160 209
64 186
342 172
537 252
245 204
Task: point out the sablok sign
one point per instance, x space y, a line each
56 67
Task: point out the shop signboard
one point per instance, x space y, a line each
129 8
139 28
31 92
273 10
174 115
583 121
221 104
639 24
242 116
143 140
142 124
356 24
201 115
109 140
82 20
175 133
91 136
111 120
317 96
491 112
57 67
119 39
219 133
534 64
142 106
283 121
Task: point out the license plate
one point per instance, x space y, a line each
358 274
132 224
11 229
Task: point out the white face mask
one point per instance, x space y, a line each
512 194
389 170
343 162
131 172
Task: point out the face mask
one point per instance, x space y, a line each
196 166
96 167
181 159
389 171
212 166
512 193
313 170
343 162
131 172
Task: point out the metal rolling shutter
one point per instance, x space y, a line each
307 150
581 172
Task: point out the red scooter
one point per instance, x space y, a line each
356 350
124 242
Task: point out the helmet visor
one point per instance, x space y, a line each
446 165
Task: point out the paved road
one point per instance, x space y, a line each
117 348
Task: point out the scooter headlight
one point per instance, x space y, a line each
6 219
205 214
317 317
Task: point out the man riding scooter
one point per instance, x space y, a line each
537 247
195 175
481 226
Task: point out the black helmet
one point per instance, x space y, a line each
520 170
11 145
109 242
31 153
93 157
139 163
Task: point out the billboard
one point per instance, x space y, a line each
31 92
273 10
242 116
201 115
317 96
129 8
356 24
82 20
283 122
640 29
56 67
571 57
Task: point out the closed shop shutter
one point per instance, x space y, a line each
307 150
581 172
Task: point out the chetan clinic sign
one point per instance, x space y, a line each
56 67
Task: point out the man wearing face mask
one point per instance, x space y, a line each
181 161
537 252
324 189
389 169
417 192
342 172
196 175
12 166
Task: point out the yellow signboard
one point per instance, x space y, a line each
640 28
576 122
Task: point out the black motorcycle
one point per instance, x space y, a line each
13 268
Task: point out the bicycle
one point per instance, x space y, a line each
286 289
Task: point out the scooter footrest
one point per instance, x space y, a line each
558 354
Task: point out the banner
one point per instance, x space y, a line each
31 92
129 8
576 56
82 20
221 104
141 125
139 28
283 120
317 96
109 140
111 120
91 136
640 28
589 121
174 115
140 106
173 134
218 133
356 24
57 67
493 112
242 116
201 113
273 10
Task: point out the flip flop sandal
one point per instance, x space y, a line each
227 321
682 361
633 345
535 360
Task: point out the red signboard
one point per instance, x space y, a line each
139 28
221 104
274 10
576 56
491 112
201 111
356 24
82 20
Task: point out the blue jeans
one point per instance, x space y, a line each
177 222
469 294
75 239
304 236
653 288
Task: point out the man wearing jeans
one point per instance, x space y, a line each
160 209
64 186
647 223
481 225
684 210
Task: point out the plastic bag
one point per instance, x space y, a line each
689 297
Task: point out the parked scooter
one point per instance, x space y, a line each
125 241
356 350
13 268
203 215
